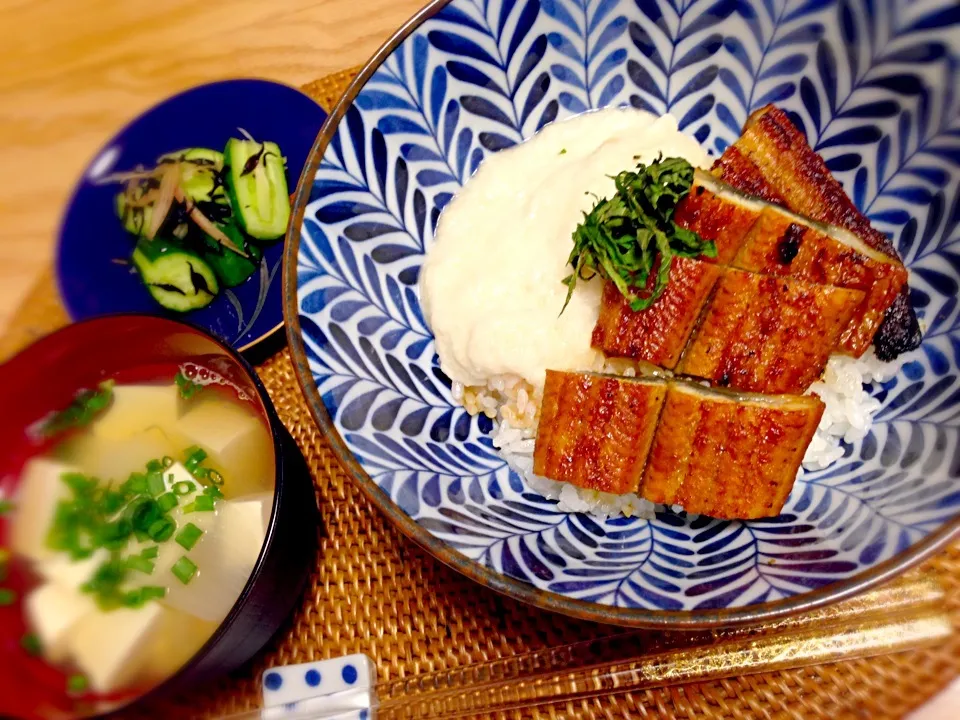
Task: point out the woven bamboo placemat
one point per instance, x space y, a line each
375 592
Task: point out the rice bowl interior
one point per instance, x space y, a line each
506 236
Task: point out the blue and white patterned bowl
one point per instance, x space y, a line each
873 84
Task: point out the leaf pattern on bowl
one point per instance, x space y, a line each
871 82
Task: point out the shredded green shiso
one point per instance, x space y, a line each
631 238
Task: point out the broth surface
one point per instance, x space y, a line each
79 641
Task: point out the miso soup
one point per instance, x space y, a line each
129 537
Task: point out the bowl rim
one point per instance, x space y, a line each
280 482
516 589
111 141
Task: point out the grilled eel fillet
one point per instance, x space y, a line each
781 243
711 211
716 452
759 237
659 333
728 455
769 334
772 160
595 430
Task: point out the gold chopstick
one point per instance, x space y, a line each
906 614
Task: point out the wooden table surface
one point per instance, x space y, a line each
72 72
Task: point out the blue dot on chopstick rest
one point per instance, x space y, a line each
349 674
312 677
363 715
273 681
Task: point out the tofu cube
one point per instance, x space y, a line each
171 551
116 459
178 639
266 505
52 611
36 503
178 473
225 557
241 530
135 408
109 647
237 441
71 574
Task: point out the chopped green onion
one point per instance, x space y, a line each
81 411
187 387
141 596
112 501
184 487
109 601
193 456
114 536
153 591
167 502
203 503
133 599
188 536
31 643
162 529
7 597
215 477
136 484
142 564
79 483
122 528
105 581
201 473
155 484
144 513
80 553
5 506
184 569
107 576
195 453
77 684
100 514
74 526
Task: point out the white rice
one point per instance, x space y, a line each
845 391
514 407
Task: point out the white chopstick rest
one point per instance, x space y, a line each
339 685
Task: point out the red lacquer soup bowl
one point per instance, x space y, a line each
125 351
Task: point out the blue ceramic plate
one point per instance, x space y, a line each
873 83
91 236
